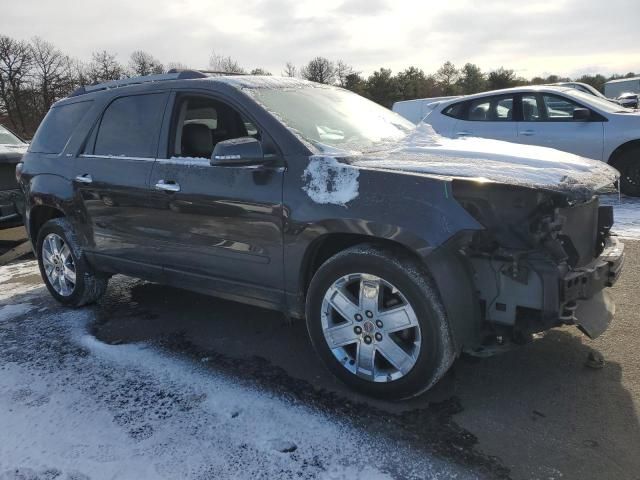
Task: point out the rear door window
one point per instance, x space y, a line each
57 127
130 126
491 109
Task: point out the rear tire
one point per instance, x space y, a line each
628 163
64 268
397 342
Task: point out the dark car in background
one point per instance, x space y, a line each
11 200
400 247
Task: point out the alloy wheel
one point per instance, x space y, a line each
370 327
59 265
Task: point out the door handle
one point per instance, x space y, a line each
86 178
463 134
167 186
528 133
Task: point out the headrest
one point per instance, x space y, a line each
196 140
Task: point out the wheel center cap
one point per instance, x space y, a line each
368 326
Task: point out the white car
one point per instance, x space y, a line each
557 117
416 110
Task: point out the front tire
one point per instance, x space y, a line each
629 166
64 268
376 320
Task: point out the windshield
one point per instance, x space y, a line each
330 117
590 89
8 138
601 103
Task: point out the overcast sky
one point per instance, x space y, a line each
568 37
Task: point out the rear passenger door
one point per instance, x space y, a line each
547 121
488 117
112 177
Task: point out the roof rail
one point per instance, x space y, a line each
173 74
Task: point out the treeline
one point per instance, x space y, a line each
35 74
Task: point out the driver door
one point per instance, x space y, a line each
547 121
219 227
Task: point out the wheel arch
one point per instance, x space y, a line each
47 196
329 238
625 147
452 276
38 216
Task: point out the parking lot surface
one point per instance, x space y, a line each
158 382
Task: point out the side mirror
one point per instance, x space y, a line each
237 152
581 114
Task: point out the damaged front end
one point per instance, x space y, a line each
543 260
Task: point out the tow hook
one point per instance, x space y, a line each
568 315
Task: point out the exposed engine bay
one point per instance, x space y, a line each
542 260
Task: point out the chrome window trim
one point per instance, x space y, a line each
118 157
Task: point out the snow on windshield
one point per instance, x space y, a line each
322 115
599 102
8 138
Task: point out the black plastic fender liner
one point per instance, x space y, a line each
454 278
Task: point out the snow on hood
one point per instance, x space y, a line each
425 152
12 153
326 180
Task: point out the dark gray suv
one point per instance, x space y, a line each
400 248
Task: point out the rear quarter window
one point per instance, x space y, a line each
455 111
58 125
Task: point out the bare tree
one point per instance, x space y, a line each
143 63
343 70
52 74
290 70
177 66
260 71
319 70
16 60
79 71
104 67
220 63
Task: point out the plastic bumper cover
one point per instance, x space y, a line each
584 289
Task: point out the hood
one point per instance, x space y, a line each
483 160
10 153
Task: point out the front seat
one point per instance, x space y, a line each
478 114
196 140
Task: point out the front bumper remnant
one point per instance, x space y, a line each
584 288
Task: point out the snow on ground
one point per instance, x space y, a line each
626 214
76 408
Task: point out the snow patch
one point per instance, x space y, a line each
328 181
81 408
626 215
186 161
11 276
8 312
350 473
